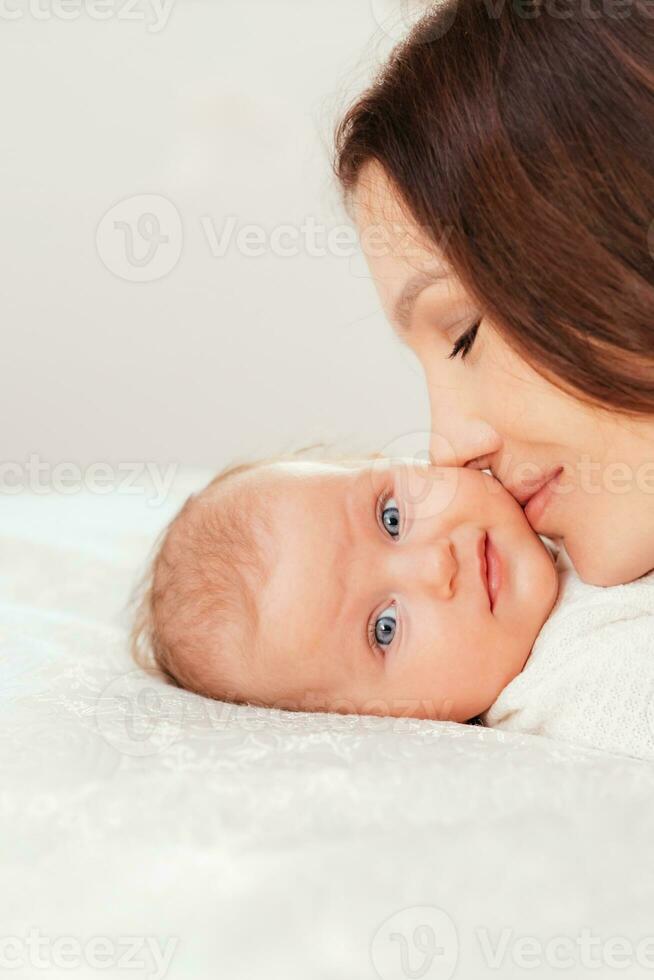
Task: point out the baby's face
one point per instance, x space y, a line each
396 589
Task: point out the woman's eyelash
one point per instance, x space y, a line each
464 344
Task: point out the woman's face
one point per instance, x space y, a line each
583 475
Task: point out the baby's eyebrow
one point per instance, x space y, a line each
350 521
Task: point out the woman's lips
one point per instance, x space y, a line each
539 501
491 569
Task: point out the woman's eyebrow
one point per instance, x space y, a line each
407 299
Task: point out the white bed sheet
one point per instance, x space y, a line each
273 844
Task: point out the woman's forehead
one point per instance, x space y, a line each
375 195
378 210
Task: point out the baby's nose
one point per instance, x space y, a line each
446 568
433 567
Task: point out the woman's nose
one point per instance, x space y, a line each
430 567
467 444
459 438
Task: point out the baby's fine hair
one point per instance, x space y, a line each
198 595
195 610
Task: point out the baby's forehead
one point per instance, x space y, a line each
297 502
271 481
310 467
356 478
288 480
353 466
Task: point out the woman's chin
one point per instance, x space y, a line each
601 566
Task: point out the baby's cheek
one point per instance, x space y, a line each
489 651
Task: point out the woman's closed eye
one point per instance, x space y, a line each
463 345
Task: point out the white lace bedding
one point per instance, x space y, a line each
148 833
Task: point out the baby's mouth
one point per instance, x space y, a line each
491 569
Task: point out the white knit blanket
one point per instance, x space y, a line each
590 676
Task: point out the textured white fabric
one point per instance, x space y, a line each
590 676
269 844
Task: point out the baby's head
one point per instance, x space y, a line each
359 586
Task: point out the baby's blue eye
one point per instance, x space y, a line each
385 626
391 517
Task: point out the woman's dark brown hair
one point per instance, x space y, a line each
522 135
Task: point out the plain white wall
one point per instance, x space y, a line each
226 111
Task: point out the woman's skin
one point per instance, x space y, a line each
491 410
